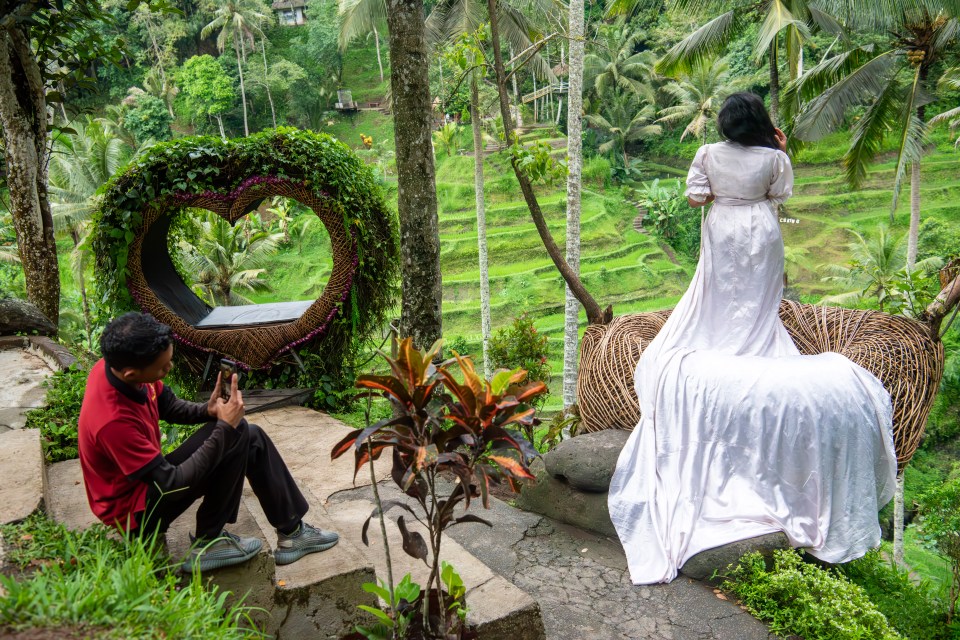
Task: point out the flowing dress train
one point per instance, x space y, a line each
740 435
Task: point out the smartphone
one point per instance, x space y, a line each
227 369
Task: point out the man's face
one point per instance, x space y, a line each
156 370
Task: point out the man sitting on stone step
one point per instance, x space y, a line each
132 485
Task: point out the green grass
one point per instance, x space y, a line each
109 587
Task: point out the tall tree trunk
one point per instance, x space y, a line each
376 41
898 522
266 82
914 234
223 134
420 315
571 332
516 93
23 116
481 223
237 45
595 315
774 84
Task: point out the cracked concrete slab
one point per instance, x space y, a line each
23 373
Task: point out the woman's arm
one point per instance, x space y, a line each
700 203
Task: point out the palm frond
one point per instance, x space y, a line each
706 42
869 133
827 23
359 17
777 19
825 112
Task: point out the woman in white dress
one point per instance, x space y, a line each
740 435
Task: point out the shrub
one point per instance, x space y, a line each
57 418
672 218
519 345
914 610
803 599
940 526
148 120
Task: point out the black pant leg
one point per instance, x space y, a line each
278 493
221 489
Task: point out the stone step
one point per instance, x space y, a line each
66 497
21 474
316 596
305 439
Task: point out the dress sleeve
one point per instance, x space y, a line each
698 185
781 180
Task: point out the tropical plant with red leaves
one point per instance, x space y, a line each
443 427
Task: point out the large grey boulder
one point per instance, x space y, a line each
558 499
19 316
587 461
706 563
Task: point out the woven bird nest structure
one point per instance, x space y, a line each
900 352
144 205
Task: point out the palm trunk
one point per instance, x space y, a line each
23 116
420 315
571 330
223 134
774 84
376 42
237 45
516 93
898 522
913 236
594 314
481 223
266 82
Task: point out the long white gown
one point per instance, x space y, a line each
740 435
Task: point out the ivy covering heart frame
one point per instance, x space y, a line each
144 205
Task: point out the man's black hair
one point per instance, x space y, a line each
744 119
134 340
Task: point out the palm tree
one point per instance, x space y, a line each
890 81
698 93
614 63
447 137
237 21
80 164
788 20
571 325
359 18
625 118
228 259
877 270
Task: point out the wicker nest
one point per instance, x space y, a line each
899 351
254 346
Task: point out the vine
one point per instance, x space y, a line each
170 175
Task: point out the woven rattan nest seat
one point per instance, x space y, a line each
898 350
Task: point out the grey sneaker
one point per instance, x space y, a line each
225 551
304 540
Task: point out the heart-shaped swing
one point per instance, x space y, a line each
231 179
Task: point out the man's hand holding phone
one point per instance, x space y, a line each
226 401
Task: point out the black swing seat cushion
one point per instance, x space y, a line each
253 314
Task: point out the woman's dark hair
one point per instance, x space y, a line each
134 340
743 119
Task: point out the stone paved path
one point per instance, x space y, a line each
23 374
580 580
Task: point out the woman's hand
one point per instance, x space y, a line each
781 139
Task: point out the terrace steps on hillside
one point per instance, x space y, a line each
317 595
